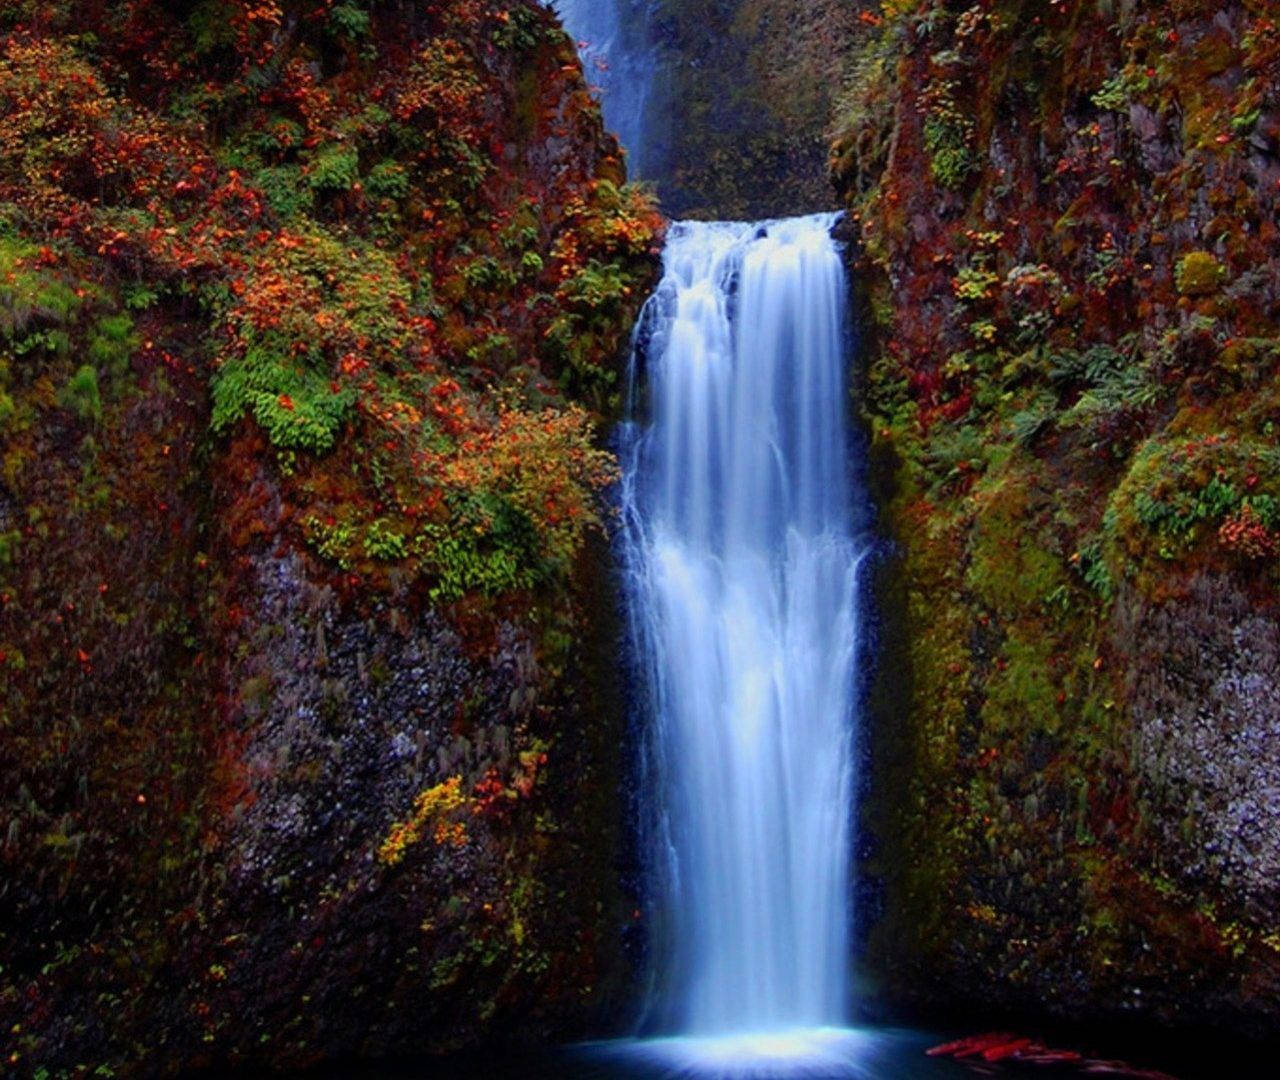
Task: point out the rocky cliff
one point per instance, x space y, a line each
308 313
1067 216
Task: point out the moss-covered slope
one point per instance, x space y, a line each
308 311
1068 219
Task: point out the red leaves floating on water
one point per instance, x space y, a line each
1002 1046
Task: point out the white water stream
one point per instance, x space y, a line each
743 560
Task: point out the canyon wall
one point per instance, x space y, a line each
309 314
1066 215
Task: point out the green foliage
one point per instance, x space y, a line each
531 264
334 541
955 452
81 395
492 563
290 193
388 180
350 19
1027 424
1093 568
211 25
948 137
140 296
113 342
1116 93
521 31
488 274
381 541
295 405
333 168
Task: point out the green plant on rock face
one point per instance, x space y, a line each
948 136
1117 92
210 26
1093 568
296 406
382 542
388 180
1027 424
973 284
522 30
334 168
113 343
955 452
81 394
489 275
332 540
1199 273
287 190
531 264
463 562
350 20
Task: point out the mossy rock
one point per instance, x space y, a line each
1199 274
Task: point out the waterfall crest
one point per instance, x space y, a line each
742 557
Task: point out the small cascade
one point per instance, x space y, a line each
618 61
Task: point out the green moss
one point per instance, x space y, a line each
81 395
1010 571
1021 695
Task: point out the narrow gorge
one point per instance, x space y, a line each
639 538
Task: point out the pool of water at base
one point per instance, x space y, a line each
820 1054
871 1052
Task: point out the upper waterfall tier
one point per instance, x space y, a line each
618 60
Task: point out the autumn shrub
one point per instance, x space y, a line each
1246 536
435 811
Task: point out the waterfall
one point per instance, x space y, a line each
742 558
618 61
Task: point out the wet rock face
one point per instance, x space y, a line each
743 97
1207 739
345 718
349 717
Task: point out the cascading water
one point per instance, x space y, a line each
742 555
617 60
